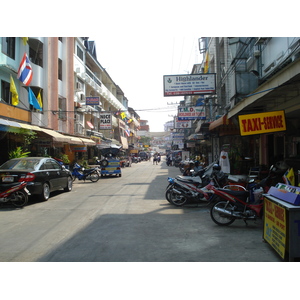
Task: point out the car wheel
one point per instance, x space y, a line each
45 195
69 186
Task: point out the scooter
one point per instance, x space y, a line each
183 184
17 195
83 174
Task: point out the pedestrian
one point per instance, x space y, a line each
155 158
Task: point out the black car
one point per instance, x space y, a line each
42 174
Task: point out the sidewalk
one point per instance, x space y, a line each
237 242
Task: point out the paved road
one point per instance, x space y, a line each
125 219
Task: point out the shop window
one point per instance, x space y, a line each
5 96
9 46
36 52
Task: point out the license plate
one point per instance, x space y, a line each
7 179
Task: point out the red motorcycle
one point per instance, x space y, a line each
229 205
17 195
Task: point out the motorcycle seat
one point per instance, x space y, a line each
239 194
190 179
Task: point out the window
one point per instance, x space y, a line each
59 69
5 93
36 52
62 108
8 46
79 53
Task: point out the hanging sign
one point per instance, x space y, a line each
92 100
105 120
192 84
262 123
191 113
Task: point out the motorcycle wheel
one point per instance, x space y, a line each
21 199
220 218
94 177
168 192
177 200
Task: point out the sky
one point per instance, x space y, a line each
137 64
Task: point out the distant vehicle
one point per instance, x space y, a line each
42 174
143 155
111 164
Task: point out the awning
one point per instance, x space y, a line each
9 126
224 126
88 142
124 142
202 127
56 136
221 121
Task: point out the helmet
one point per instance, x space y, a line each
216 167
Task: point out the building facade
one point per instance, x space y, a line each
81 108
255 76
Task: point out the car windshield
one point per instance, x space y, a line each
20 164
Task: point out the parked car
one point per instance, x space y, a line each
42 174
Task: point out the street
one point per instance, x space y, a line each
125 219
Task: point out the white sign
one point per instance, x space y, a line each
191 113
193 84
182 124
105 120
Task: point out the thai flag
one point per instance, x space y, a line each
25 71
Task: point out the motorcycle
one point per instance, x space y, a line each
17 195
188 185
80 173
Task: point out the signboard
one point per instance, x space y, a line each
192 84
275 226
262 122
92 100
191 113
182 123
105 120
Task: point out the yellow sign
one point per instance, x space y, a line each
262 123
275 226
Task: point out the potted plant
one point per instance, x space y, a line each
17 153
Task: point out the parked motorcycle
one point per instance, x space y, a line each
188 185
83 174
17 195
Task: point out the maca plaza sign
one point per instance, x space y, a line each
262 123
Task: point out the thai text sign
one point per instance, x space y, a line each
191 113
92 100
262 123
275 226
193 84
105 120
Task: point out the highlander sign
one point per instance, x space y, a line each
262 123
195 84
105 120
